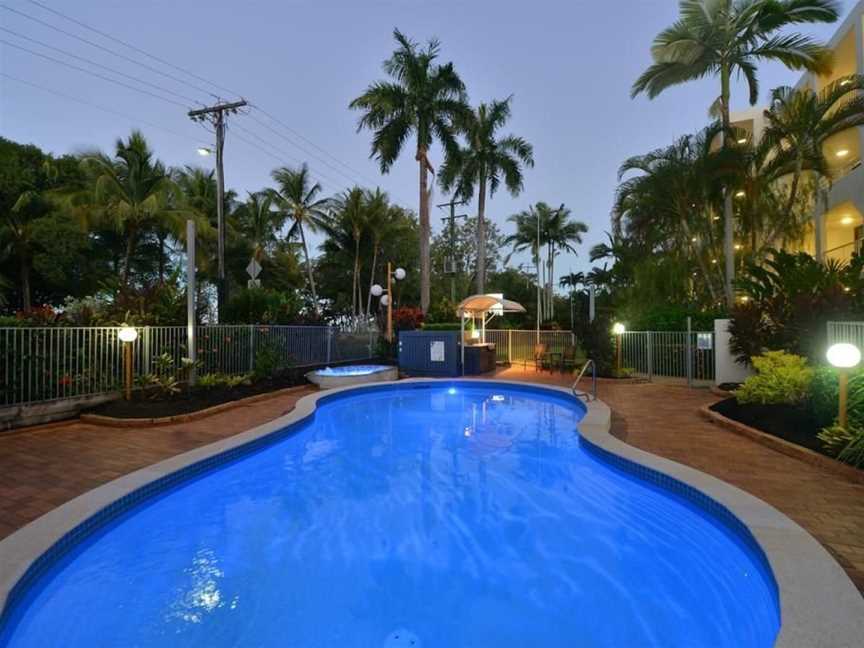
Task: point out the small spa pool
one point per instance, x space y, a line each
436 515
331 377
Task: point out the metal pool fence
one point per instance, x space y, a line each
518 345
46 364
671 354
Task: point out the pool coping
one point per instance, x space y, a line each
819 605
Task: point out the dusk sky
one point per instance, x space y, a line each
568 64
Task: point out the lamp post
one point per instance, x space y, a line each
618 329
127 336
844 357
387 295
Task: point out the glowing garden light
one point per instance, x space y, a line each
127 336
844 356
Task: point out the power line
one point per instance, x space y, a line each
324 162
99 65
109 51
193 75
282 155
96 74
134 48
312 144
99 107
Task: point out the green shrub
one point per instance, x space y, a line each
270 359
781 378
853 453
835 438
441 326
822 400
214 380
262 306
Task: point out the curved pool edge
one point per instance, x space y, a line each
819 605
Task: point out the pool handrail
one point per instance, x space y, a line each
593 394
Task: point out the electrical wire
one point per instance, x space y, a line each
100 107
91 72
134 48
99 65
109 51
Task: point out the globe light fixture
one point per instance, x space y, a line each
844 356
385 300
399 273
618 328
377 290
128 334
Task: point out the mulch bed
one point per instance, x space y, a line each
792 424
197 398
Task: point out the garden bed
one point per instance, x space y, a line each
188 401
793 424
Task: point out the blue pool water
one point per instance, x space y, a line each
352 370
450 516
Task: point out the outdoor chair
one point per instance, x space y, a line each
568 358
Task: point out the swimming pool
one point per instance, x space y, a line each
331 377
447 514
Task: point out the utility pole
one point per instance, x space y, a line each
216 115
452 219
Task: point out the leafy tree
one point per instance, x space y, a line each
486 160
725 37
422 98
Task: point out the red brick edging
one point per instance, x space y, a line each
110 421
806 455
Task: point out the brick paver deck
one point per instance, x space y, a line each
41 468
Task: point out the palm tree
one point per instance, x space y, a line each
134 193
801 121
724 37
486 160
423 99
351 215
296 199
379 225
562 235
259 222
572 280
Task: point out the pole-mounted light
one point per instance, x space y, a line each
618 330
844 356
127 335
386 296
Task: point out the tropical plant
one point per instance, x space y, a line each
725 37
296 199
781 379
422 98
485 161
789 298
351 211
801 121
134 193
259 223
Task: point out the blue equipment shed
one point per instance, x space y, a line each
430 353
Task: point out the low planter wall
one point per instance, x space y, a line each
37 413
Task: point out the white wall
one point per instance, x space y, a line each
726 369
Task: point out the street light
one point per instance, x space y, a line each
618 330
127 336
843 356
387 295
203 151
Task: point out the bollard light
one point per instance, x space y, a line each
128 334
618 328
844 356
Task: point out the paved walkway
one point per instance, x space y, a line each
663 419
43 467
40 468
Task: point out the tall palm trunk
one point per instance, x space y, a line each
308 266
25 282
728 216
355 284
372 278
481 235
425 232
131 239
699 259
